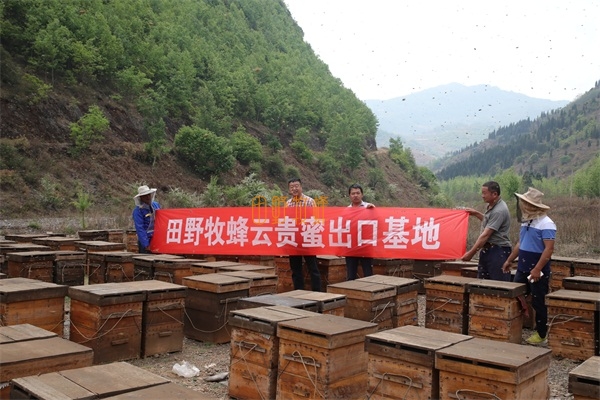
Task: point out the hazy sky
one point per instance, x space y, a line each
382 49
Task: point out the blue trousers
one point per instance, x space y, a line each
490 263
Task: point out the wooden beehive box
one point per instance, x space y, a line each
266 261
284 274
327 303
368 301
263 269
57 242
211 267
143 265
95 382
583 283
493 369
31 264
17 248
562 267
402 362
573 323
69 267
108 318
323 357
586 267
455 267
277 300
162 316
31 352
94 246
30 301
584 380
495 311
402 268
447 303
119 266
260 283
332 270
172 270
469 272
209 299
103 235
255 350
407 290
131 241
423 269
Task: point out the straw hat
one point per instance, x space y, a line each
144 190
533 197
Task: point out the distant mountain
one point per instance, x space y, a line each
447 118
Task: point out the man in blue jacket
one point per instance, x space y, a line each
143 217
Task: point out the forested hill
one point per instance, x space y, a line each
556 144
213 88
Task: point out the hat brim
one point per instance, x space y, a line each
538 205
145 193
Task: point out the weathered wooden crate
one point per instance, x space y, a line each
402 362
277 300
162 316
96 267
172 270
108 318
327 303
495 311
266 261
30 301
69 267
260 283
131 241
34 353
493 369
583 283
455 267
562 267
447 303
407 290
211 267
119 266
586 267
323 357
95 382
402 268
263 269
16 248
209 299
368 301
31 264
93 246
143 265
284 274
573 323
584 380
332 270
57 242
103 235
469 272
255 350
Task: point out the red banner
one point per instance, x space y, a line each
382 232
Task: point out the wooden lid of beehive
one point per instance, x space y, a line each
277 300
25 289
497 288
18 247
216 283
402 285
498 361
564 296
265 319
325 301
51 240
363 290
326 331
29 256
449 280
119 256
256 278
265 269
99 245
107 293
23 332
586 262
331 260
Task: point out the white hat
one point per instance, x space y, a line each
144 190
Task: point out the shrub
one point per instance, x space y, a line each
179 198
205 152
246 148
274 166
88 129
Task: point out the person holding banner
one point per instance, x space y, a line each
493 241
355 192
299 199
143 216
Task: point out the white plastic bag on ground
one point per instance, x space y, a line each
186 369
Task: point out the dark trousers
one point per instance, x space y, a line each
352 267
490 263
143 250
298 274
538 291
